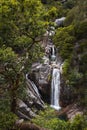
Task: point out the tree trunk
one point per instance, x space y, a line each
13 101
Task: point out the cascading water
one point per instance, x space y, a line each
53 51
53 56
55 89
55 84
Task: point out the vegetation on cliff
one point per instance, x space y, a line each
50 120
71 41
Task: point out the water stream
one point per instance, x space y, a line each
55 88
55 83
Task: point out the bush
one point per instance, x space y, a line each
48 119
51 14
7 120
66 66
79 123
64 40
70 4
75 77
71 16
81 29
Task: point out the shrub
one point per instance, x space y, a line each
66 66
79 123
74 77
7 120
48 119
64 40
70 4
81 29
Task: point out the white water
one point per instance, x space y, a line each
53 56
53 51
55 89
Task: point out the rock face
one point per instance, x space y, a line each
32 102
71 111
24 111
41 75
59 22
66 94
27 126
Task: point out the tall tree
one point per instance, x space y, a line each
21 29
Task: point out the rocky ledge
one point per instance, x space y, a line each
71 111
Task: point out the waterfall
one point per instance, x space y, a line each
55 89
55 84
53 56
53 51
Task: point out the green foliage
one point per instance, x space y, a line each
37 54
64 40
74 77
49 119
70 16
65 67
54 10
7 55
70 4
21 21
79 123
77 13
50 14
21 42
83 63
81 29
4 103
11 77
9 63
21 29
7 120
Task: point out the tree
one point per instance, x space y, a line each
21 29
10 73
21 21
